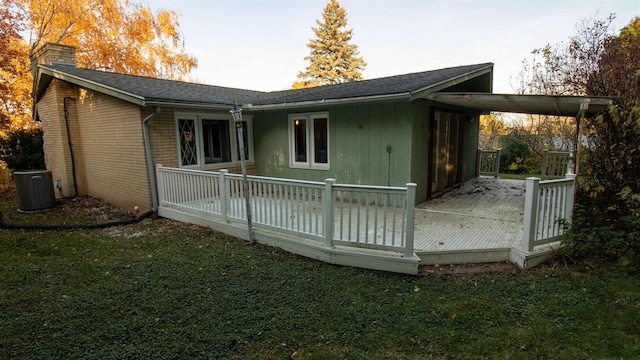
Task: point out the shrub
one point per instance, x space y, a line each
22 150
607 215
515 156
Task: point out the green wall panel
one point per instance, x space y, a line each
359 136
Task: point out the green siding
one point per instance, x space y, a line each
359 136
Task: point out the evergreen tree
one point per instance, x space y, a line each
333 59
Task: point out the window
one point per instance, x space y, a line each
215 135
245 139
309 141
188 148
210 141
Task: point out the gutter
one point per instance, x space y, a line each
147 150
285 105
186 105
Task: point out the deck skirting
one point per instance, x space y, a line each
338 255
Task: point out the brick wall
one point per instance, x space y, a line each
162 135
112 147
56 149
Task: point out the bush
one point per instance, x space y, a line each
607 215
515 156
22 150
611 232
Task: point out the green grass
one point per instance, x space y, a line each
160 289
517 176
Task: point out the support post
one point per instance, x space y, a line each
327 205
160 184
224 195
497 164
570 198
245 183
411 205
530 214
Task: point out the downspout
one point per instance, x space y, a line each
147 149
73 162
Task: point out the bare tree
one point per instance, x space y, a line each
560 69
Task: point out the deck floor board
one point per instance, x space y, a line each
483 213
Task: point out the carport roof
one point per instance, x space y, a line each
527 104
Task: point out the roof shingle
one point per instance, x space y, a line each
160 90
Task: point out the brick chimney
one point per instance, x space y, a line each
53 53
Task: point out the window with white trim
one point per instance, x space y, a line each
309 141
210 140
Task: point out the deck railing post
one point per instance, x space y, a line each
327 205
570 197
530 213
224 195
160 184
411 205
497 164
479 168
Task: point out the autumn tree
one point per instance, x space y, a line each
492 127
15 79
114 35
333 59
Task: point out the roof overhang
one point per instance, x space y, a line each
47 74
421 93
527 104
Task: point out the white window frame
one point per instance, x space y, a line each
233 139
310 141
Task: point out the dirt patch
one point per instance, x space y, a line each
464 269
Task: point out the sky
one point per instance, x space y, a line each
261 45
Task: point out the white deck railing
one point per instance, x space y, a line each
554 164
373 217
546 204
489 162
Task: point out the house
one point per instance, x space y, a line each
103 131
106 134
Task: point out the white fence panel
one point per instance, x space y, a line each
554 164
373 217
489 162
280 203
547 203
199 190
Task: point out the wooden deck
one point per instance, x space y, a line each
480 221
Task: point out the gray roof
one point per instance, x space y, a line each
152 89
156 92
399 84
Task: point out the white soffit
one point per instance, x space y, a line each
527 104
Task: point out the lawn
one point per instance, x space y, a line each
161 289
